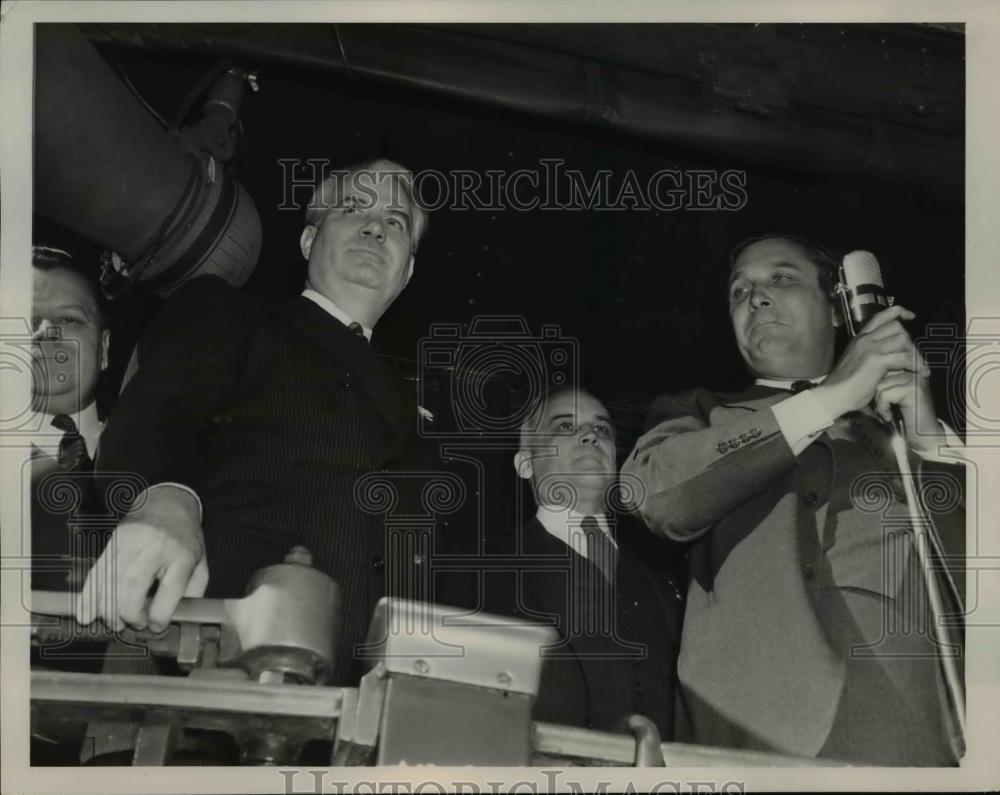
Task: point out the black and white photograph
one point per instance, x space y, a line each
498 397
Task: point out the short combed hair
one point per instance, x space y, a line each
823 257
324 195
537 405
49 258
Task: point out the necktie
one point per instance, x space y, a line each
800 386
600 548
72 447
358 329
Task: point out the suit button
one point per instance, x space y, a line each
811 498
377 562
807 571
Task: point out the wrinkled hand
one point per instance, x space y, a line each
882 349
159 541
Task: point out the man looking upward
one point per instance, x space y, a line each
573 567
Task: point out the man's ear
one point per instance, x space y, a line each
306 240
522 464
409 270
105 346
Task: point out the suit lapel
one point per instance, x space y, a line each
576 579
538 541
373 374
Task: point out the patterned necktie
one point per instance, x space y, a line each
72 447
801 386
600 548
358 329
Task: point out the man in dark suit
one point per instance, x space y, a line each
253 425
617 619
70 351
68 525
805 628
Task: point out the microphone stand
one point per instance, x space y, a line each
924 534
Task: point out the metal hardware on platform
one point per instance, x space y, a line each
284 629
472 677
419 704
454 645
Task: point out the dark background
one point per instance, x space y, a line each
637 292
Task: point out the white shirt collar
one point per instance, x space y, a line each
326 304
786 383
565 525
87 423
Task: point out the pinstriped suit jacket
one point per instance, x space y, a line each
273 416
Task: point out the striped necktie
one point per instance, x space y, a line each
600 548
72 447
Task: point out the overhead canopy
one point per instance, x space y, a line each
877 101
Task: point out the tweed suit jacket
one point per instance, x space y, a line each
596 674
763 655
283 422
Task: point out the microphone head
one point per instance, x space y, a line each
861 267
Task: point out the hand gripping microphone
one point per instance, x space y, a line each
862 291
862 295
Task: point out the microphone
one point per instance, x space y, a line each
862 295
861 289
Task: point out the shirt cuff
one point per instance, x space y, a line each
180 486
801 418
948 440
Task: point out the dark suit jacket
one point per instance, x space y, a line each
795 560
64 507
601 671
292 430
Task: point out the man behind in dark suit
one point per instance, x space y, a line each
252 425
70 349
802 631
617 621
68 527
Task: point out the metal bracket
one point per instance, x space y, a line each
360 718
